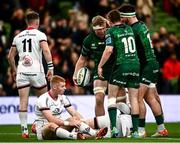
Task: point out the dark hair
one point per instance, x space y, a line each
126 8
31 16
114 16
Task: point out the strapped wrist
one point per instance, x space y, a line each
50 65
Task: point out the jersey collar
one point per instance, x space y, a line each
51 95
30 28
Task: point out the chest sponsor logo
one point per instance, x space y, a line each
95 46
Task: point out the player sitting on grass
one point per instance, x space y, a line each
50 125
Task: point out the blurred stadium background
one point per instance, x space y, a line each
66 23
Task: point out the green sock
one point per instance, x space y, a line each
112 115
141 122
159 119
135 122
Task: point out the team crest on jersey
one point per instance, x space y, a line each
27 61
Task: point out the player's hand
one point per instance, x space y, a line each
100 72
49 74
14 75
75 80
76 123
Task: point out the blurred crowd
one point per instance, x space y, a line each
66 24
172 7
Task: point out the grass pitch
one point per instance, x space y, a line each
11 133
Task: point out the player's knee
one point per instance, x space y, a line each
99 99
99 89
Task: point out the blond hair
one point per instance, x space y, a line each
98 20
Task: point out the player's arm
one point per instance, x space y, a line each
52 119
48 58
82 59
11 59
80 63
73 112
48 115
106 54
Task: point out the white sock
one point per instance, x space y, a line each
141 129
160 127
84 128
103 121
23 121
62 133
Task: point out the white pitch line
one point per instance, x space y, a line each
15 134
162 138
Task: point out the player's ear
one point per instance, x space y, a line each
54 87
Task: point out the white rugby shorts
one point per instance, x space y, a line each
35 80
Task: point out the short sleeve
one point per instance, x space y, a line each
42 103
42 37
109 39
66 101
14 42
85 51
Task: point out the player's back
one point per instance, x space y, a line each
143 43
124 44
30 53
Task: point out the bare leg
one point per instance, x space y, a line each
99 107
152 101
99 91
23 94
142 108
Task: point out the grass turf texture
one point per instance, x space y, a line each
11 133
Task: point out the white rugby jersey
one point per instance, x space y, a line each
30 54
46 102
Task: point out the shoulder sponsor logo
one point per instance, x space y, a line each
108 40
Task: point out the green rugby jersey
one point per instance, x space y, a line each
143 43
121 37
93 47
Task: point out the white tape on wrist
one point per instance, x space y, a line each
66 123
